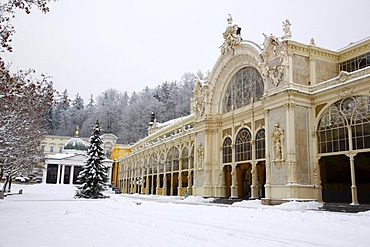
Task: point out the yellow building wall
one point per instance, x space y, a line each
119 151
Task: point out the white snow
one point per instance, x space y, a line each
47 215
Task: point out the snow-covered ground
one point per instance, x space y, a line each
47 215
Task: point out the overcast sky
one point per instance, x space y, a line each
88 46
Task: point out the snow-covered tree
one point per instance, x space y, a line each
23 103
93 175
8 12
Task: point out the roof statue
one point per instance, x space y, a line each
231 36
286 30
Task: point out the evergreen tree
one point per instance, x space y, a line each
93 175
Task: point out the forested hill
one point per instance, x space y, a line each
126 116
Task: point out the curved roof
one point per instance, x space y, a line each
75 143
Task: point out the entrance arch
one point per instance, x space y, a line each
244 179
336 179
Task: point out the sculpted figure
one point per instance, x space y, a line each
277 138
286 30
231 36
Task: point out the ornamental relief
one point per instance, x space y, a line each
275 60
200 97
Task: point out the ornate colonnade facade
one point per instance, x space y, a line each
278 121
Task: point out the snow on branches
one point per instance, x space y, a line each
7 13
93 175
23 101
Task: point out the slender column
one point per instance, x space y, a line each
58 174
71 174
171 189
158 183
45 173
63 170
353 181
152 191
267 163
147 182
234 182
190 185
254 186
179 183
352 166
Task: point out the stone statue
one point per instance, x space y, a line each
231 36
286 30
200 96
278 138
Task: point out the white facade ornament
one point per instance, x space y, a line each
200 97
312 41
286 30
273 51
200 156
278 141
231 36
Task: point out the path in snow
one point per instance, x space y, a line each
47 215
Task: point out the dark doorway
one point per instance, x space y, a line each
52 173
261 178
336 179
175 183
67 173
362 171
227 174
244 176
76 172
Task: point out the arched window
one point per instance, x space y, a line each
361 124
191 159
260 144
161 163
243 146
172 159
352 113
227 151
153 161
185 158
245 86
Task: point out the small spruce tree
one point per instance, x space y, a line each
93 175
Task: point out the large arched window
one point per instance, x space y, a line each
153 161
260 144
172 159
161 163
185 158
191 159
243 146
349 114
227 151
245 86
